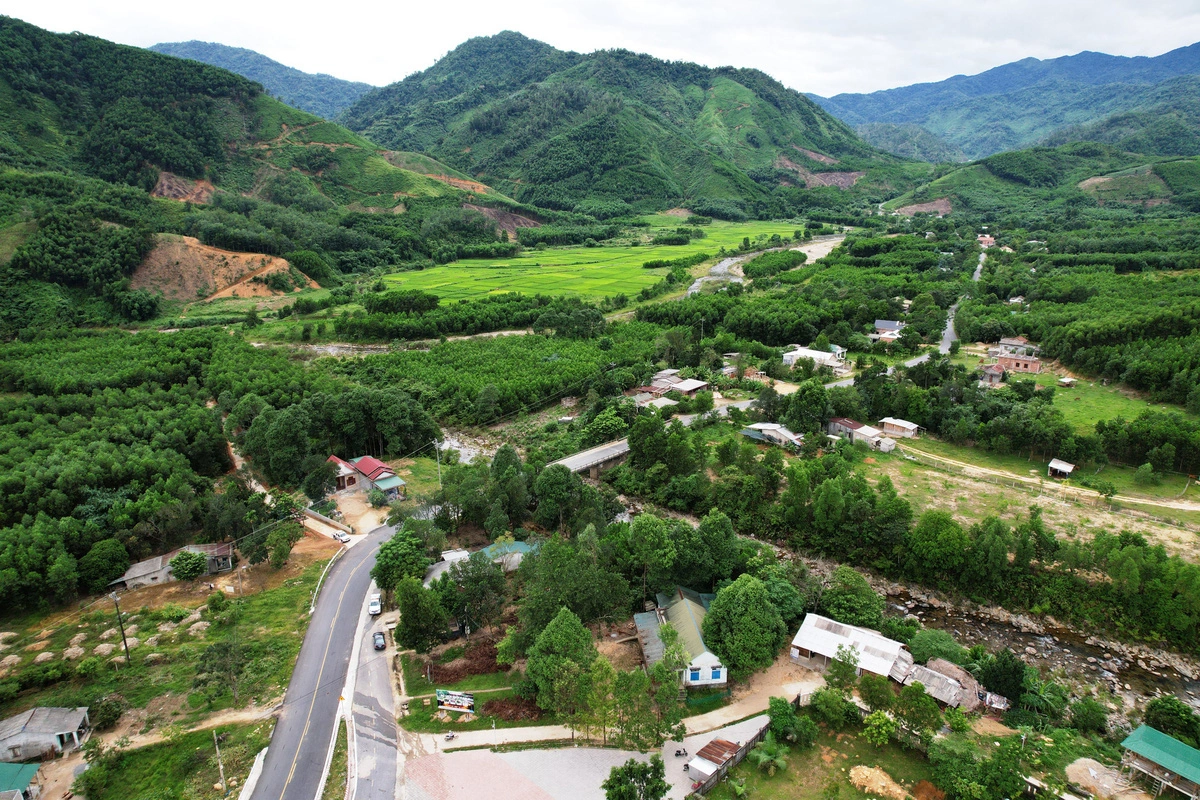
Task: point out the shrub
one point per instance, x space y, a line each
188 566
832 708
933 643
377 498
105 711
957 720
1089 716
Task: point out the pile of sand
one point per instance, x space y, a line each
876 782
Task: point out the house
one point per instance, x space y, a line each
660 403
819 357
986 241
158 569
1067 383
993 374
1166 761
857 432
815 646
899 427
973 694
690 387
1059 469
685 610
1019 363
507 554
20 781
41 732
346 476
437 568
711 758
378 475
1018 345
1017 301
773 433
755 374
883 326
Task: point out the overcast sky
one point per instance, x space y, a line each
830 47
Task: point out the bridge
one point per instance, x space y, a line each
596 459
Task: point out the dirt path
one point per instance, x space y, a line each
782 679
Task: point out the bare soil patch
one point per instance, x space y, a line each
173 187
874 781
1092 183
924 790
986 726
678 212
815 156
506 220
939 206
512 708
1103 782
842 180
181 268
479 659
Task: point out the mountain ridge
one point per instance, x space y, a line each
317 93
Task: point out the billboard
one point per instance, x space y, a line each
455 701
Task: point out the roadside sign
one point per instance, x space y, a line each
455 701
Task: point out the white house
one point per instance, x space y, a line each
685 610
899 427
819 357
41 732
773 433
816 644
857 432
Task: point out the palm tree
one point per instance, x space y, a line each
769 755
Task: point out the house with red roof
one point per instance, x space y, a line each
367 473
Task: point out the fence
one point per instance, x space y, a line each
705 786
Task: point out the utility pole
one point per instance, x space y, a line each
438 455
121 623
220 765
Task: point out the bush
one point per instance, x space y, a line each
89 667
957 720
188 566
377 498
933 643
105 711
832 708
1089 716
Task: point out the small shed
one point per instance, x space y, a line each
689 387
41 732
1067 383
773 433
20 781
1166 761
973 693
158 569
711 758
1059 469
993 374
899 427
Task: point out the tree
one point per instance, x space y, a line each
106 561
320 482
789 726
831 705
876 691
602 705
1088 716
917 711
402 556
1173 717
637 780
808 409
879 728
649 546
558 492
769 755
636 724
850 599
937 547
423 622
561 654
1004 674
280 541
843 670
743 627
934 643
187 565
479 591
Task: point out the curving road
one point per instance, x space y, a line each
300 744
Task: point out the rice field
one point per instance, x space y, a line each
590 272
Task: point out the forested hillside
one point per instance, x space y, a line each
553 128
323 95
1019 104
1166 122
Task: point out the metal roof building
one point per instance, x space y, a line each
815 646
1167 761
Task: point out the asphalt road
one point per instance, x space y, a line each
296 757
374 715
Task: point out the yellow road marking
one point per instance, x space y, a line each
320 674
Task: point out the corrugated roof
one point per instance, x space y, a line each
718 751
647 628
17 777
1166 751
371 467
899 423
876 653
43 720
390 482
1061 466
687 615
941 687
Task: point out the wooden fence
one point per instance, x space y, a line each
705 786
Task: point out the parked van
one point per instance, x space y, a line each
375 605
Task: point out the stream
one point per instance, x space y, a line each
1131 671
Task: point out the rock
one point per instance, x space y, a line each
117 660
193 617
36 646
104 649
198 628
108 634
1091 659
153 658
131 630
132 641
9 661
6 635
42 658
73 653
166 627
1030 651
153 641
78 639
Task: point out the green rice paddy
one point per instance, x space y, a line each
591 272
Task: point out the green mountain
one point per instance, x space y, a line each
910 141
1022 103
1167 123
323 95
552 128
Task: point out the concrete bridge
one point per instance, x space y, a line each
596 459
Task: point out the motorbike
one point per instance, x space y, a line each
450 736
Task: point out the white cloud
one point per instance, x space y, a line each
851 46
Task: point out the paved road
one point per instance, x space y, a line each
376 737
296 758
593 456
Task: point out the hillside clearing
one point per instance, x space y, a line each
183 269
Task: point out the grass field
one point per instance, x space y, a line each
420 718
592 272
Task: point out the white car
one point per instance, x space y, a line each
342 537
375 605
